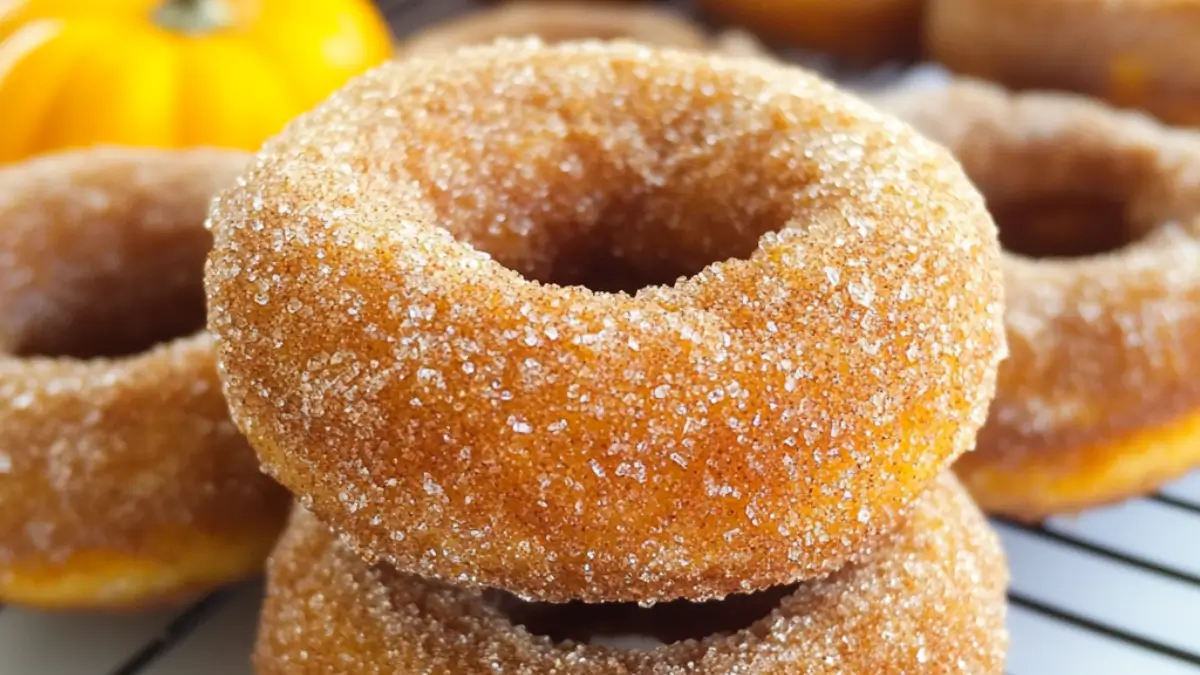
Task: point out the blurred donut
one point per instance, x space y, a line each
554 21
867 31
1134 53
929 601
409 339
1100 210
122 480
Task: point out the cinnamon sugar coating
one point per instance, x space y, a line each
1101 396
396 288
930 601
122 480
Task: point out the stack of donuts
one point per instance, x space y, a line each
604 358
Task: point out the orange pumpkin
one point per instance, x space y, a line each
173 73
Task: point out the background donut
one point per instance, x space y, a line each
554 21
1100 399
863 31
124 482
1135 53
548 438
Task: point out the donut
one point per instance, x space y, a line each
1134 53
739 42
1099 211
554 21
123 481
929 600
652 283
863 31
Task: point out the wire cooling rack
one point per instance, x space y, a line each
1112 592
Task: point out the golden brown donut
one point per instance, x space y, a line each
859 30
1101 397
122 480
929 601
431 344
554 21
1135 53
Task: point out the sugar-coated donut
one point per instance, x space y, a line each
929 601
1101 397
122 480
1135 53
860 30
413 341
554 21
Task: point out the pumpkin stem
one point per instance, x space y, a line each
194 16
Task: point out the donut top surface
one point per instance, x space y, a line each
102 253
604 320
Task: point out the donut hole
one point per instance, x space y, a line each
633 626
600 187
1064 227
646 236
1063 197
118 297
603 269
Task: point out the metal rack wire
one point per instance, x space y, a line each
1111 592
